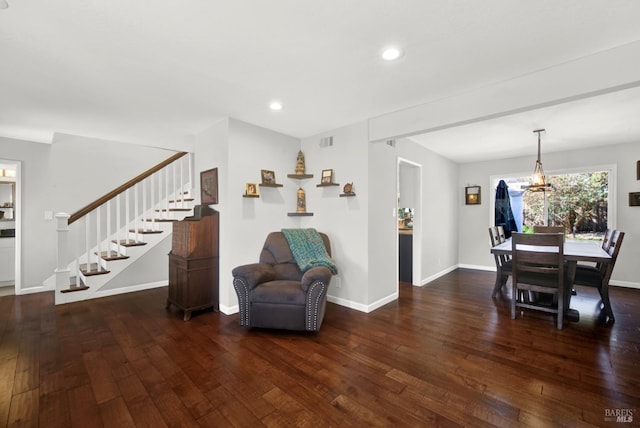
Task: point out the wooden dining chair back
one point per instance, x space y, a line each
548 229
503 262
599 276
501 234
538 266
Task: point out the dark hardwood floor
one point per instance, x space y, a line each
443 355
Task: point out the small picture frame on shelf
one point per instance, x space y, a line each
268 177
251 189
472 195
327 176
209 187
638 170
634 199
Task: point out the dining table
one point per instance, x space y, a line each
574 251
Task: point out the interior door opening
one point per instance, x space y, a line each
409 207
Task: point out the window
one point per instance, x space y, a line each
582 201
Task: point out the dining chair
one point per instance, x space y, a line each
503 262
599 276
538 266
503 237
548 229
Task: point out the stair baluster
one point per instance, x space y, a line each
87 233
118 236
98 253
152 195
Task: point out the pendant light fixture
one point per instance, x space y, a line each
538 179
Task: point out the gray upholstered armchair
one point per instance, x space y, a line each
276 293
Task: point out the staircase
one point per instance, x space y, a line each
109 236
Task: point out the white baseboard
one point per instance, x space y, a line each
438 275
359 306
229 310
129 289
625 284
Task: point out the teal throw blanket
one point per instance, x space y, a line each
308 249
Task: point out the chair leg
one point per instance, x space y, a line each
501 280
514 297
604 295
497 286
560 309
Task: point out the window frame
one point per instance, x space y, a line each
612 200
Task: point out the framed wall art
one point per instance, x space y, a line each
268 177
327 176
209 187
472 195
251 189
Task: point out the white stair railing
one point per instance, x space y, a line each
111 230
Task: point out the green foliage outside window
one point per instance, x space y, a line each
579 200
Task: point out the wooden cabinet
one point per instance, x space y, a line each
193 262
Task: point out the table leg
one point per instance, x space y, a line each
570 314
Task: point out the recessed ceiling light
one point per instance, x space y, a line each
276 105
390 54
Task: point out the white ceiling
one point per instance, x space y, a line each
158 72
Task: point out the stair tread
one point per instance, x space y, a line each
130 243
73 288
112 255
163 220
94 269
174 209
182 200
145 231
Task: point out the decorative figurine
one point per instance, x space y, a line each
347 188
300 168
301 204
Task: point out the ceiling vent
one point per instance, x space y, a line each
326 142
391 142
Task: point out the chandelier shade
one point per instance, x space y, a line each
538 179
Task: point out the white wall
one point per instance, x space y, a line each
84 169
475 219
38 236
240 150
343 219
439 211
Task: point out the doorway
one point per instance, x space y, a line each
409 190
9 227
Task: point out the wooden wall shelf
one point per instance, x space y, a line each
250 196
299 214
327 184
346 195
300 176
270 185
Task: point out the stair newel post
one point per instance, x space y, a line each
62 272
